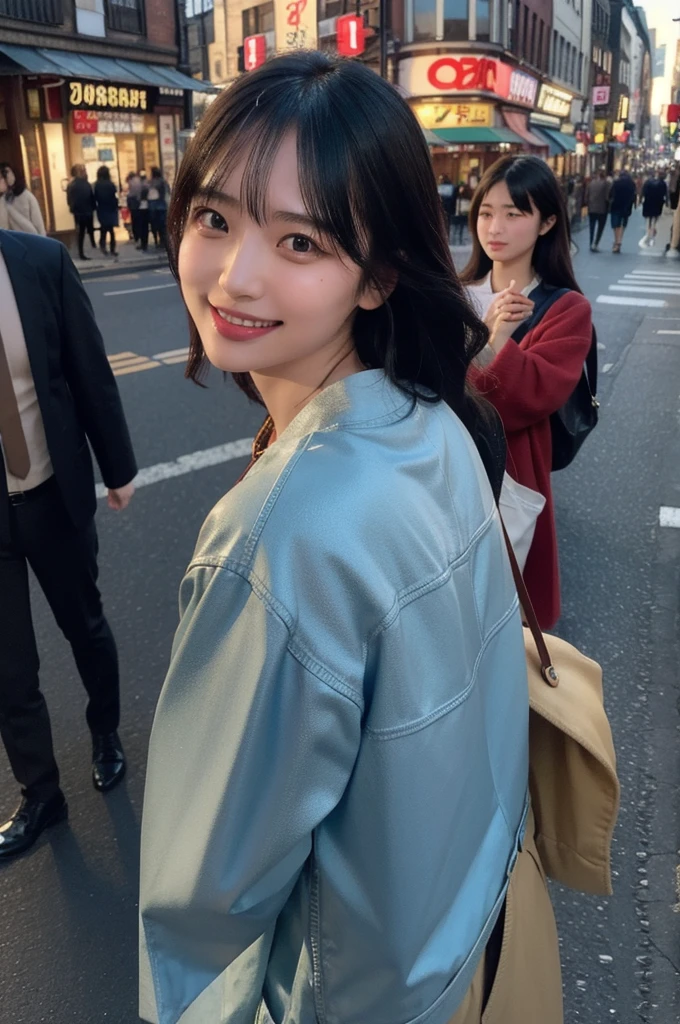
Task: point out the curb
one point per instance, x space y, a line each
122 267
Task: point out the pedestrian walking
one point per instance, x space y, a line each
654 198
337 775
106 203
446 194
80 198
622 198
158 195
143 214
133 198
674 186
57 392
520 246
597 201
21 211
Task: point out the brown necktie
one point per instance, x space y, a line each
12 433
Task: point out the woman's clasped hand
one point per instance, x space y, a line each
509 308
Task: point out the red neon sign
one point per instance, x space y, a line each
350 30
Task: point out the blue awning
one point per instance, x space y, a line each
567 143
34 60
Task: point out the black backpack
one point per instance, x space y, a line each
571 424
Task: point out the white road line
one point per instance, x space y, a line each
654 273
669 516
643 289
149 288
174 359
601 346
622 300
172 352
607 367
668 332
189 463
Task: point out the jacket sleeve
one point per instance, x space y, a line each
91 381
530 381
35 215
251 748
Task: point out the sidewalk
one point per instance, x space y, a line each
128 258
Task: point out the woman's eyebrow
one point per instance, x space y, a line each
288 216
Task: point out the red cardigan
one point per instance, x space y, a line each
526 383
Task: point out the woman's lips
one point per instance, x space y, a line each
246 331
497 245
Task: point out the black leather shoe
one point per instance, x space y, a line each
108 761
28 821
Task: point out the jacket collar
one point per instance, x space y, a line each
365 399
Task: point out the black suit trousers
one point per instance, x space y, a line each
64 559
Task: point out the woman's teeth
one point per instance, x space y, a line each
240 322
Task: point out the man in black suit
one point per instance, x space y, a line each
57 391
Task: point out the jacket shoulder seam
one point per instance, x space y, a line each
275 607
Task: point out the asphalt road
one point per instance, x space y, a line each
68 909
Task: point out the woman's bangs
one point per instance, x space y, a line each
519 193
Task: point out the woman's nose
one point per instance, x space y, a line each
242 273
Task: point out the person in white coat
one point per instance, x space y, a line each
19 209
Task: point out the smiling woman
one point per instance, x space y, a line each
336 805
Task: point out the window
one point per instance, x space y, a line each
572 67
517 29
126 16
456 20
46 12
483 22
580 70
423 20
560 63
532 48
553 58
256 20
525 31
541 34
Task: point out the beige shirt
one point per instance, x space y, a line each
24 388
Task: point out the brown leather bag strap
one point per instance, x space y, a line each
547 668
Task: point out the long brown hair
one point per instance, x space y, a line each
529 180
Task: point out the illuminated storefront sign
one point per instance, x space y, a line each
455 73
93 96
454 115
601 94
554 101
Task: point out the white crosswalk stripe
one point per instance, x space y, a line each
639 285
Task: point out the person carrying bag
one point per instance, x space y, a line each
520 233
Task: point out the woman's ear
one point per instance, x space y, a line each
375 294
547 224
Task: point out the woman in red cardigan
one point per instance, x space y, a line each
520 237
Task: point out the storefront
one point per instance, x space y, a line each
122 114
473 107
552 121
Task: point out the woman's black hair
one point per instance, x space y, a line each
19 185
103 173
529 180
367 181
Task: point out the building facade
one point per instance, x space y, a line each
92 82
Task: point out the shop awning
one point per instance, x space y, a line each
431 139
554 148
35 60
567 143
517 122
471 135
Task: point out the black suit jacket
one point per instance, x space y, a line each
76 389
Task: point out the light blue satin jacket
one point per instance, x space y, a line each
337 778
